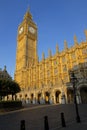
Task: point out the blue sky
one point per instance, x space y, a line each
57 20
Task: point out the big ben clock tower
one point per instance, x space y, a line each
26 54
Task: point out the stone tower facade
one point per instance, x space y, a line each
26 54
47 81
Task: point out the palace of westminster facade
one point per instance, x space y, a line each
47 81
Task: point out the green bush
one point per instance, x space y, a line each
10 104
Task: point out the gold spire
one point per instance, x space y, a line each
57 48
28 14
65 45
38 59
43 56
75 40
49 53
86 35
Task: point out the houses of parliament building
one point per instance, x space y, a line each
48 80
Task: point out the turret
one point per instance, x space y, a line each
57 48
75 40
49 53
28 15
86 35
43 56
65 45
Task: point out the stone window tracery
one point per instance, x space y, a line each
73 56
85 62
55 71
84 51
55 62
48 73
63 59
75 66
64 68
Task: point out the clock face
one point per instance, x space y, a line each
20 30
32 30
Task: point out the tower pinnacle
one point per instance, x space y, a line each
65 45
28 14
75 40
86 34
49 53
57 48
43 56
